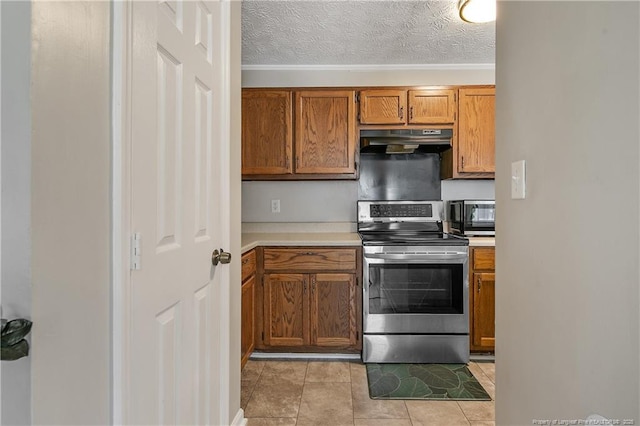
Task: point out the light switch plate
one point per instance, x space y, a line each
275 206
518 185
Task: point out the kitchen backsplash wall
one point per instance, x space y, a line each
330 201
300 201
468 189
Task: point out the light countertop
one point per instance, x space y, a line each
315 234
255 239
482 241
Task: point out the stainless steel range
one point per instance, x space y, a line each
416 285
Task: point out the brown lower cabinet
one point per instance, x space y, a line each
310 300
247 338
482 299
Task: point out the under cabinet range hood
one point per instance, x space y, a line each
405 141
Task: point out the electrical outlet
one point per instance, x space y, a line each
275 206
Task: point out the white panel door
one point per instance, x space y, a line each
176 147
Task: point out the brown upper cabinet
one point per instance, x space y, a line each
473 155
425 106
267 132
312 133
307 134
325 136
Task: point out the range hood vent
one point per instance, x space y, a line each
405 141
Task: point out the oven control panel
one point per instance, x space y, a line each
389 211
400 210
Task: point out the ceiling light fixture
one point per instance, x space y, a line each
477 11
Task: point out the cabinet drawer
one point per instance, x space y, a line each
484 259
309 259
248 264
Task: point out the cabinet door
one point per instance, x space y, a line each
484 300
435 106
325 132
333 310
383 106
248 321
267 132
286 302
476 131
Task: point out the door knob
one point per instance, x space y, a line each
220 257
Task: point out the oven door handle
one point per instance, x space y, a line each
435 255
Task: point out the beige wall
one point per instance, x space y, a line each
71 212
567 299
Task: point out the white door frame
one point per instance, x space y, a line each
121 206
121 62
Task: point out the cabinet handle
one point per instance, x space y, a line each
310 253
401 113
245 261
479 284
411 113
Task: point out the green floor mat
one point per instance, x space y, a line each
424 381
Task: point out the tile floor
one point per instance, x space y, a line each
336 393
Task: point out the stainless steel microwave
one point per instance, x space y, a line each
472 217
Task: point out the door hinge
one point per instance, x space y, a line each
462 163
136 251
357 98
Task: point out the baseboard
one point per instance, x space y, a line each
239 419
482 357
305 356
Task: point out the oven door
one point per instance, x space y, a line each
416 290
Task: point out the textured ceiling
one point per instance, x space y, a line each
374 32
